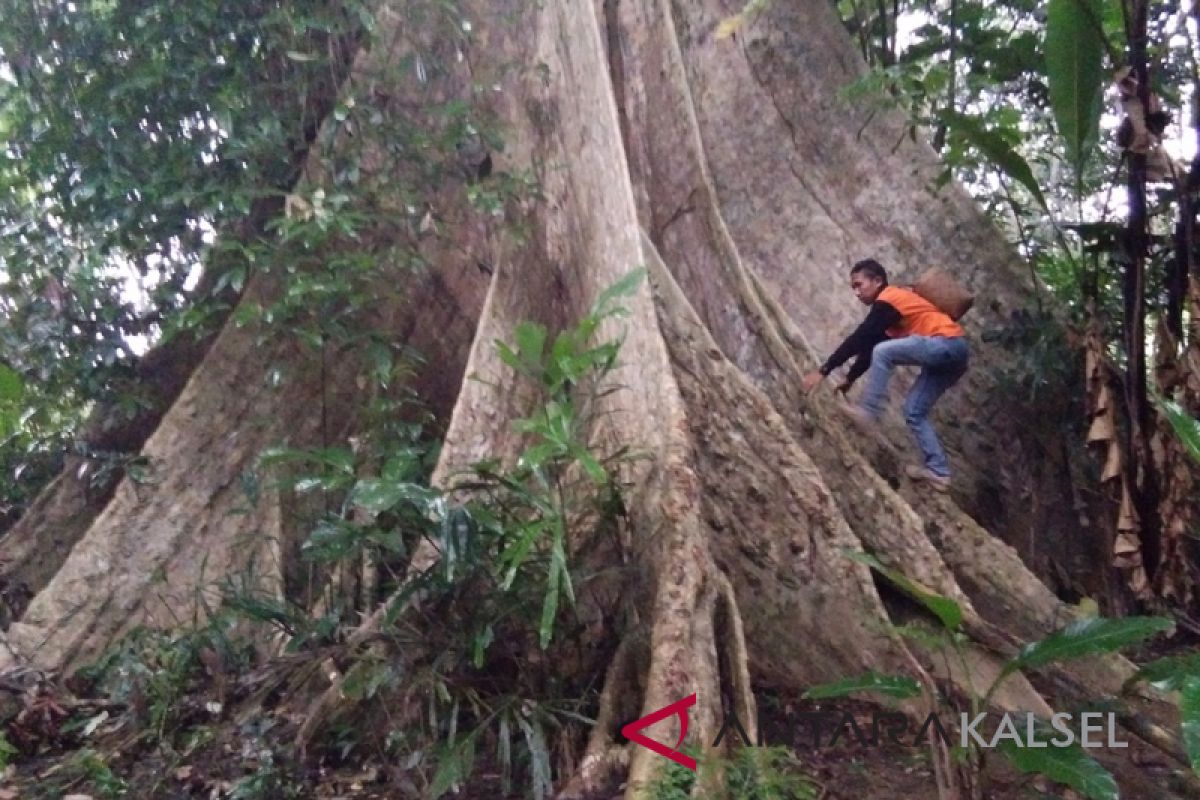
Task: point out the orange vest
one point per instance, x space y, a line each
918 316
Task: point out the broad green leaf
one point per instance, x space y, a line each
454 766
1189 714
622 288
531 341
1087 637
375 496
948 611
1068 765
1170 673
1186 427
514 555
11 385
590 464
340 459
999 152
559 554
7 751
366 677
899 686
508 356
1074 51
482 641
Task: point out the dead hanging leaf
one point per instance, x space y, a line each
1127 543
1139 582
1112 464
1103 400
1127 519
1102 429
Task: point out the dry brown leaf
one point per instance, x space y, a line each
1127 518
1103 400
1112 464
1102 429
1126 543
1139 583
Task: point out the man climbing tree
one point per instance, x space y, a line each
901 328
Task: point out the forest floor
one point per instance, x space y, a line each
179 731
253 760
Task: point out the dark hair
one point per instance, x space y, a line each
872 268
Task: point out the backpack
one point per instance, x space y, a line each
944 291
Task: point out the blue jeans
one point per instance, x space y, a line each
942 361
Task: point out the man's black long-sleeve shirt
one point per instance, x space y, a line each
869 333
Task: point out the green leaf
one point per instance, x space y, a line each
1189 714
376 496
454 766
1170 673
622 288
514 555
482 641
1068 765
590 464
539 759
1086 637
531 341
1186 427
1074 50
550 603
11 385
945 609
338 459
899 686
7 751
999 152
508 356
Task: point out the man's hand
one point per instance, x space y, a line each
810 381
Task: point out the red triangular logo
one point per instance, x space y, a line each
679 707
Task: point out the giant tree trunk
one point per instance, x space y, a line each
734 172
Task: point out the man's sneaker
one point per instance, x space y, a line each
917 474
859 418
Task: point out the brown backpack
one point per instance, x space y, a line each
944 291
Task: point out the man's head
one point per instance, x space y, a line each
867 279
